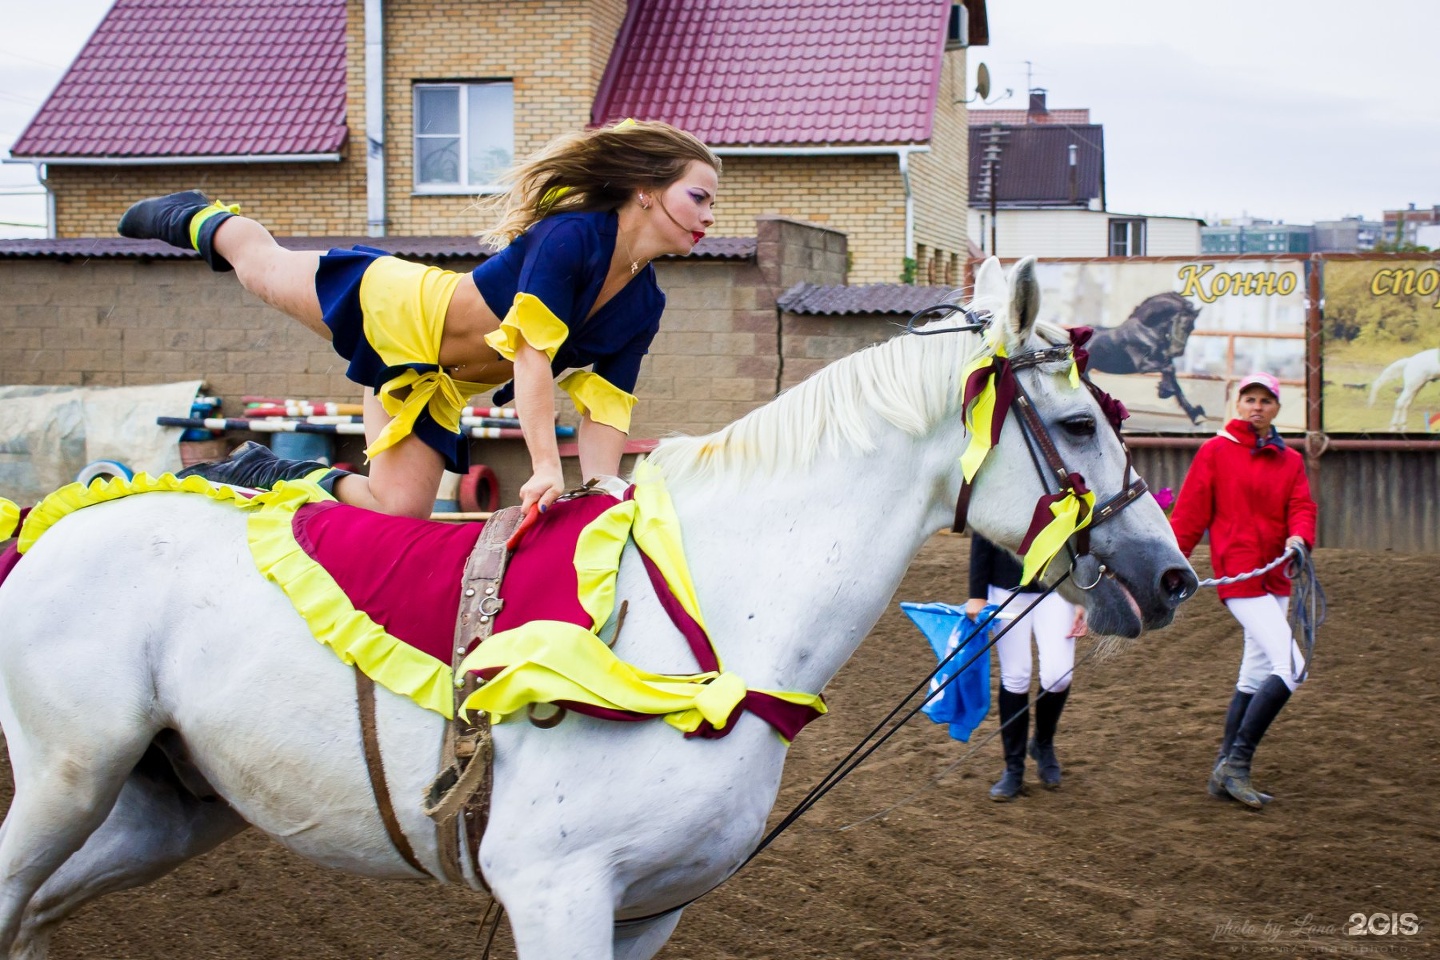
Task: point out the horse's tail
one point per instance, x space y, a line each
1391 371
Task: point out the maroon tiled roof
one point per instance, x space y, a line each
201 78
770 72
427 249
1019 118
1035 165
901 298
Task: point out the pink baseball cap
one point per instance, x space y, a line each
1260 380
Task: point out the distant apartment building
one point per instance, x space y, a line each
1411 225
1257 236
1347 235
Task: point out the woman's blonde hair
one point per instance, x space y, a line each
594 170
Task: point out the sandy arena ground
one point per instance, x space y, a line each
1130 859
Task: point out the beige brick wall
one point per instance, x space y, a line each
553 51
941 183
861 197
112 322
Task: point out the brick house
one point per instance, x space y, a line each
847 115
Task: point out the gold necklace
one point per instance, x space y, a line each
634 261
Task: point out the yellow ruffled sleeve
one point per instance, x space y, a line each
604 402
530 321
9 518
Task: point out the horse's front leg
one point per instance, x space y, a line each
560 910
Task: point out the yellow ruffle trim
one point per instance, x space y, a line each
528 321
9 516
546 661
334 621
353 636
604 402
74 496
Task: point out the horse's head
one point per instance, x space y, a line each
1172 317
1018 499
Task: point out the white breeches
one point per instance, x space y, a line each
1270 647
1049 623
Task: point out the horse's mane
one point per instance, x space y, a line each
909 382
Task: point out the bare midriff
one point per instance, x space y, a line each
463 349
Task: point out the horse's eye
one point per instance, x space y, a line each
1079 426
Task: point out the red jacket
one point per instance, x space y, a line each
1252 497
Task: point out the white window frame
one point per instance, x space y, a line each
1135 236
462 188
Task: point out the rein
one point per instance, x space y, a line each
1044 454
1041 446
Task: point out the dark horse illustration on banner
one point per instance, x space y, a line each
1149 340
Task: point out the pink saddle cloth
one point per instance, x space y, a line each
405 573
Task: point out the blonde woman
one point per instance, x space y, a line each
572 287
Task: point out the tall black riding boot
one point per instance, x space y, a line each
171 217
1013 735
255 466
1234 771
1233 716
1048 707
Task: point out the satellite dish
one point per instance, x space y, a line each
982 82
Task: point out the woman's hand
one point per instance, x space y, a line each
1297 544
973 606
544 485
1080 627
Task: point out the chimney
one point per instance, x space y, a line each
1037 111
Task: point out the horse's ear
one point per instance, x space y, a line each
1024 303
990 290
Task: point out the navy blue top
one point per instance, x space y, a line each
991 566
563 260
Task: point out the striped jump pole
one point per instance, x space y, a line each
335 429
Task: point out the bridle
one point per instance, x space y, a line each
1085 568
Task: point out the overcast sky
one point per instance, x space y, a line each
1297 110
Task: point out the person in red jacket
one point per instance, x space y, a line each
1250 491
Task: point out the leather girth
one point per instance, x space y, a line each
375 766
459 799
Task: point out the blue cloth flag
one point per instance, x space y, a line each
965 701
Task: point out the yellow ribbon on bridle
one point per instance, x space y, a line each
1070 512
980 415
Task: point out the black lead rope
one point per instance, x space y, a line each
861 751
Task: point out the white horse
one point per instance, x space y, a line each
146 664
1414 372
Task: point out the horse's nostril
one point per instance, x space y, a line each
1179 584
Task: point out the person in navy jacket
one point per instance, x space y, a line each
1250 491
572 287
1055 623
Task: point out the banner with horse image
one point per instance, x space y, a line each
1173 337
1381 353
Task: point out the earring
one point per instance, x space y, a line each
644 204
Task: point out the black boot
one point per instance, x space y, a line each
1013 734
1048 707
255 466
168 218
1234 770
1233 716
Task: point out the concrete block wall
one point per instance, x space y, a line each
721 351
